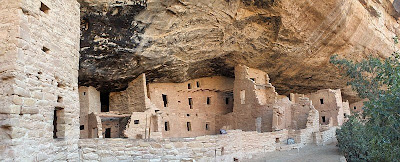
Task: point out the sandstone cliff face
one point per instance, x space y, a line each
177 40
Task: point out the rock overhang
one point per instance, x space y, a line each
174 41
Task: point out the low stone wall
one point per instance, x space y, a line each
325 136
236 144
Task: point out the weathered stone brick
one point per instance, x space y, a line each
17 100
144 144
169 146
29 102
12 109
29 110
90 156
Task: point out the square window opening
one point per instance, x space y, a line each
136 121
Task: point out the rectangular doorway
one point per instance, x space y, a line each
105 101
107 133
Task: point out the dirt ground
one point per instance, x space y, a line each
310 153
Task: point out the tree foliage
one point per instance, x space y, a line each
378 137
353 140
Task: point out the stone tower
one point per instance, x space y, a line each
39 61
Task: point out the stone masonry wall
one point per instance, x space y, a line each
234 145
307 135
253 100
132 99
178 94
357 107
300 112
284 107
89 99
209 97
331 105
9 31
148 123
177 113
39 56
346 108
95 127
138 130
325 136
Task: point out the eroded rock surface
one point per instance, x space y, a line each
177 40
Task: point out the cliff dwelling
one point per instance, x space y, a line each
213 106
180 80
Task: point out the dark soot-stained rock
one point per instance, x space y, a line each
177 40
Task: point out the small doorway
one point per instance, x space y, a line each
108 133
105 101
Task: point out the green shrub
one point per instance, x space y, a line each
378 137
352 140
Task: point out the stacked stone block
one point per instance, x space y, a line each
234 145
39 56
